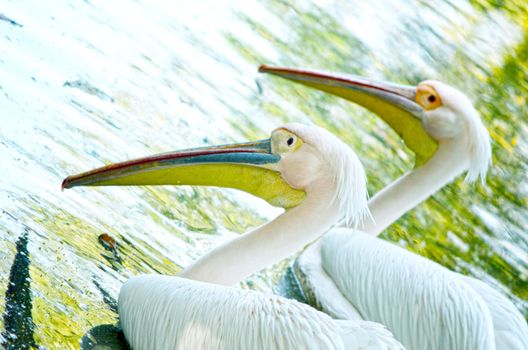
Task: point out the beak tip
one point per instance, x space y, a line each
263 68
66 184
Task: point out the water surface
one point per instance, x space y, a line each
84 84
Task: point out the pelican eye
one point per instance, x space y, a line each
284 141
427 97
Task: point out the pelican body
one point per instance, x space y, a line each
304 169
351 275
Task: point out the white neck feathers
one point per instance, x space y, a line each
268 244
388 205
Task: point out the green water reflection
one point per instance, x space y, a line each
187 77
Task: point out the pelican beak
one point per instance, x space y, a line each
250 167
395 104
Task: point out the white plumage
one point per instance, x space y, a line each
353 275
342 167
161 312
456 118
422 303
510 328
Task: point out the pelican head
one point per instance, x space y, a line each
295 162
449 115
426 116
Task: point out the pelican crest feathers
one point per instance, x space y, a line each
349 176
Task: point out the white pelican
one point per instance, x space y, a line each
304 169
354 276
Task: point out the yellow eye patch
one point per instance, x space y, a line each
284 141
427 97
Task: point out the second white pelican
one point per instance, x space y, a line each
353 276
305 169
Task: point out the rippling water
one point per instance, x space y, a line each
86 83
